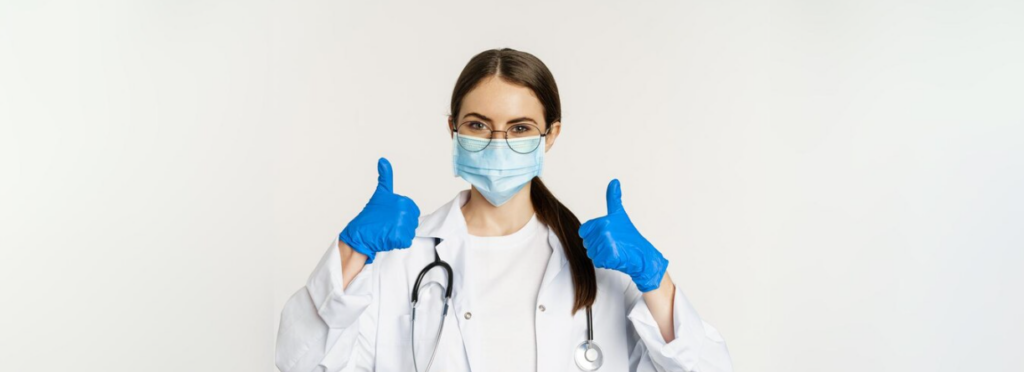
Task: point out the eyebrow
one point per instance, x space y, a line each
487 119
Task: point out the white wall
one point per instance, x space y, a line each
837 184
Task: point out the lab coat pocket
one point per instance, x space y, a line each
450 355
423 341
394 345
399 337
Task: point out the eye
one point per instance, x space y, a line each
476 125
520 128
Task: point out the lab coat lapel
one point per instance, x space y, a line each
555 325
556 263
556 291
449 225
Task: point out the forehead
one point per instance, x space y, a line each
500 100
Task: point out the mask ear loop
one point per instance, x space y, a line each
455 154
540 156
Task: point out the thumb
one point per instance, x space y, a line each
614 197
384 177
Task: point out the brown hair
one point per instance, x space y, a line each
526 70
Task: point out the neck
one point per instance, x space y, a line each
484 219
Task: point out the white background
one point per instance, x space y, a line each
837 184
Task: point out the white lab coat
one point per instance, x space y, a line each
365 327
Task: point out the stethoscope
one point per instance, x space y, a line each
588 355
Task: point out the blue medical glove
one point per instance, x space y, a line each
612 242
388 221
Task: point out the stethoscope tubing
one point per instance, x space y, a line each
587 345
415 302
437 339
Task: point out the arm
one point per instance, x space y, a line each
696 346
352 263
671 335
659 301
326 325
332 322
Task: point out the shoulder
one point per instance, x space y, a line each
616 291
612 281
444 219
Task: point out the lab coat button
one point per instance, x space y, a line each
541 307
469 315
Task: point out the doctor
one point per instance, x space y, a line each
526 273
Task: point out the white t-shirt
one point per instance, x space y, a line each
512 267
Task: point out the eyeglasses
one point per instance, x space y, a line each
522 138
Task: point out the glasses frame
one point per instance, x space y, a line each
455 130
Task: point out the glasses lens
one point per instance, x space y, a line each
523 138
474 136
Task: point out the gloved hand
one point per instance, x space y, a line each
388 221
612 242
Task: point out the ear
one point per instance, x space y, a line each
549 140
451 126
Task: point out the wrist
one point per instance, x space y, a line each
356 249
352 262
348 254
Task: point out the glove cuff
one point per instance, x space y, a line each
357 247
651 278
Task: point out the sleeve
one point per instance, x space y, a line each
698 347
326 328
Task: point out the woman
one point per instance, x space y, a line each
524 268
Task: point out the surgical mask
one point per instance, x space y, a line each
497 171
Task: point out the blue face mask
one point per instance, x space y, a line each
497 171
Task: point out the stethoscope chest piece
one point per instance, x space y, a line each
588 356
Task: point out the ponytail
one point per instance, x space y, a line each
566 226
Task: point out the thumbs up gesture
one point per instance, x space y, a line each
612 242
388 221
